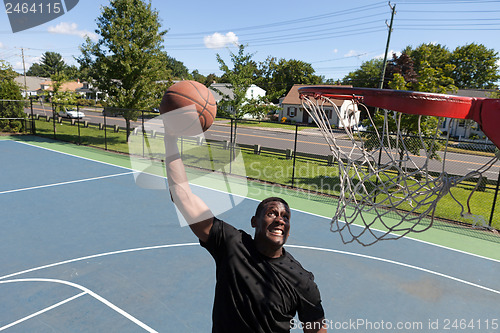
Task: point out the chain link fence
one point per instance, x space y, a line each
290 155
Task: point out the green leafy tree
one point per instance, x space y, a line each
239 78
10 91
61 98
177 68
277 77
427 68
429 55
476 67
126 63
51 63
367 76
206 80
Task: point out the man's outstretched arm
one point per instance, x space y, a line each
195 211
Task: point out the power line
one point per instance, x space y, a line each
355 10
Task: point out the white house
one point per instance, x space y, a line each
221 90
33 84
293 110
461 128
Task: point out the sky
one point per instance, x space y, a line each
334 36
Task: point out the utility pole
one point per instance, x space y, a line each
24 72
382 77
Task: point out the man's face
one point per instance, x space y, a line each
272 227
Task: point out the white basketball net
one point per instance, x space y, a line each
385 193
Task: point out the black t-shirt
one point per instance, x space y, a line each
254 293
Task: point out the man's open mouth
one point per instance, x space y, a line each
277 232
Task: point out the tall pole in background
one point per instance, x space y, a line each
382 77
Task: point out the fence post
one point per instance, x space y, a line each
105 133
143 136
294 153
232 144
33 129
54 120
78 120
494 199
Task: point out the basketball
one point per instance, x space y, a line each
188 108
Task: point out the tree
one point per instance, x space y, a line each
126 63
428 55
423 69
476 67
278 76
240 77
179 71
51 63
206 80
10 90
367 76
404 66
59 97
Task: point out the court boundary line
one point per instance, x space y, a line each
167 246
91 293
256 200
398 263
65 183
93 256
35 314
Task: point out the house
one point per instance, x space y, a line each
225 90
293 110
33 84
73 86
462 128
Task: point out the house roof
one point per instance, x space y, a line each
482 93
32 82
66 86
292 98
220 89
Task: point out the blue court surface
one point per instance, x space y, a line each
84 249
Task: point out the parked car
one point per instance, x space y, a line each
71 113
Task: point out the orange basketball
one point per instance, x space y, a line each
193 105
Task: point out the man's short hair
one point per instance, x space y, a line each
262 205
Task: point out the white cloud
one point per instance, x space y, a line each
2 46
389 55
335 50
351 53
217 40
65 28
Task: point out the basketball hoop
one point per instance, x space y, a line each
379 182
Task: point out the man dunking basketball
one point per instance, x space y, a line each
259 286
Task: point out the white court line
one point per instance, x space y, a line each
41 311
287 245
93 294
397 263
135 320
256 200
96 256
65 183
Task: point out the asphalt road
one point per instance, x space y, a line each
308 141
